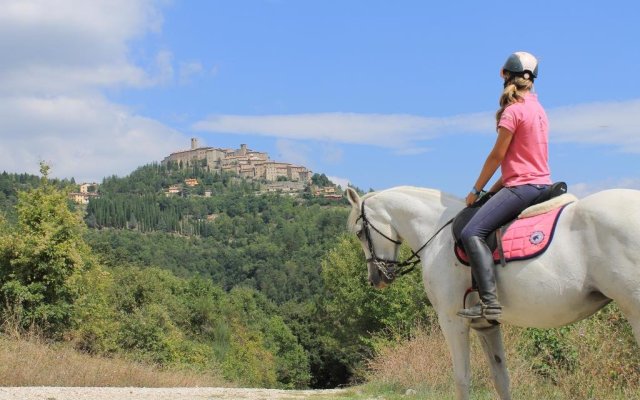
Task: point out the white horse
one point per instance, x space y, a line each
594 258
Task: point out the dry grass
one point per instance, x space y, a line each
423 358
607 364
32 363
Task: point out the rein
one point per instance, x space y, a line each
392 268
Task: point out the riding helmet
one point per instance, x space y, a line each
520 63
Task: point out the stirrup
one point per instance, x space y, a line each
479 310
471 312
492 313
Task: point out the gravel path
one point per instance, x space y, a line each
110 393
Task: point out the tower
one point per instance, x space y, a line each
194 143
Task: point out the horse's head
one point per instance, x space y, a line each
380 242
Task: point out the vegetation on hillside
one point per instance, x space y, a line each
243 293
52 282
261 289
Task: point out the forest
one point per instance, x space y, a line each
242 281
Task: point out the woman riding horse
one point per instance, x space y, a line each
521 150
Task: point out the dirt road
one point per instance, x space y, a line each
84 393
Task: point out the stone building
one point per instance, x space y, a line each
243 162
88 187
212 156
191 182
87 191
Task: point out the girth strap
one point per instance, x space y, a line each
503 262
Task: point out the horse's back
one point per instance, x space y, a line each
613 196
614 208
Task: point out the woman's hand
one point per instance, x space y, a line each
471 198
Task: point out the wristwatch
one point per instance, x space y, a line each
475 191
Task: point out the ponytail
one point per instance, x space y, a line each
514 87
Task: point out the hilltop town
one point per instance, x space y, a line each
274 176
244 162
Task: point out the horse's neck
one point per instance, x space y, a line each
417 214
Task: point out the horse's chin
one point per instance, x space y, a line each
376 279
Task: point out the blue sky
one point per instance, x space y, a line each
377 93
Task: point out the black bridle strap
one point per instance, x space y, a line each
368 223
414 254
411 262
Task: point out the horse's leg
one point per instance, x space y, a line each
632 313
635 326
491 340
456 333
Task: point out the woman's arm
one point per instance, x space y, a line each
493 161
497 186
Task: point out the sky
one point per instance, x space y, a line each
372 93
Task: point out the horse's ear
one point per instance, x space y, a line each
353 197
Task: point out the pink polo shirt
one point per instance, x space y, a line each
527 159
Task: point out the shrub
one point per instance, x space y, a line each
41 258
549 351
355 312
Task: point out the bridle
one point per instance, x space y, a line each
391 268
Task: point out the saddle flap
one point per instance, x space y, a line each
523 239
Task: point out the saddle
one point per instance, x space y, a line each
525 237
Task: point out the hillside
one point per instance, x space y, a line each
237 235
234 281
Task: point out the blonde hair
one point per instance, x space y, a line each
514 88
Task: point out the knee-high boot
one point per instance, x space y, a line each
483 269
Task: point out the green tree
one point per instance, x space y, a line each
95 320
262 345
321 180
356 315
247 360
41 259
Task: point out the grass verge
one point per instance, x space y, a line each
33 363
595 358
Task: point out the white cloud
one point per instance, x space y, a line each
188 70
80 137
163 69
609 123
412 151
293 152
584 189
65 45
392 130
342 182
57 58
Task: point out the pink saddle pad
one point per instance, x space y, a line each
524 238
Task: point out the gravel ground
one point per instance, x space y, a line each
110 393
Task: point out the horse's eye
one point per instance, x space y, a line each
359 233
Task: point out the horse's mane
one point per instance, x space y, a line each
412 190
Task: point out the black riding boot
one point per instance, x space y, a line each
482 266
